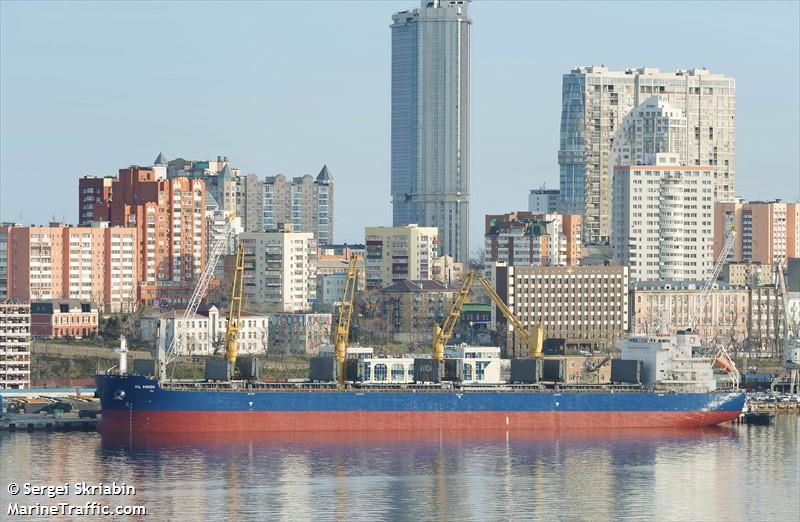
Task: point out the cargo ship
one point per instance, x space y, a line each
676 389
660 381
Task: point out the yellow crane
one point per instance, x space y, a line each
442 333
345 314
235 311
534 335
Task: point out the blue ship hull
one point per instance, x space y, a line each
140 404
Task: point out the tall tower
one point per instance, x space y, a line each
430 121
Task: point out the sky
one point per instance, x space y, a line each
285 87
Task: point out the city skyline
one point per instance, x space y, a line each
298 104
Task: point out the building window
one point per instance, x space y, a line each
479 370
467 372
380 372
397 372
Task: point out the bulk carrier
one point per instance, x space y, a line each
662 381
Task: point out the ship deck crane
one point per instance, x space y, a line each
443 332
170 354
235 312
345 315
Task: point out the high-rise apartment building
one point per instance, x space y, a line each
594 103
250 202
15 345
93 196
585 305
280 270
766 231
399 253
219 177
305 203
532 239
654 127
663 220
97 264
543 200
169 216
430 121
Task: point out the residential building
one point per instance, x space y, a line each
474 323
669 306
445 270
330 288
585 305
217 224
746 274
15 345
205 333
409 309
399 253
298 333
250 202
64 318
169 215
280 270
766 321
594 103
305 203
543 200
219 177
518 238
430 121
93 196
766 231
663 220
533 239
654 127
793 294
98 264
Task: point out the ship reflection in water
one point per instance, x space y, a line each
658 474
724 473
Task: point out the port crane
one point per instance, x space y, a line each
720 357
345 315
170 354
235 311
443 332
791 338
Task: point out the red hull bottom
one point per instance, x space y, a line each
249 421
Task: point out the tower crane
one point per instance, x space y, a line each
235 311
345 315
443 332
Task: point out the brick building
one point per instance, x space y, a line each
409 309
169 216
97 264
63 318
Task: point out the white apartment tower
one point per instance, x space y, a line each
430 121
280 270
15 345
663 219
594 103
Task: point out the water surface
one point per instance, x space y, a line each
728 473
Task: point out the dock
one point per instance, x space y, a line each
50 422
